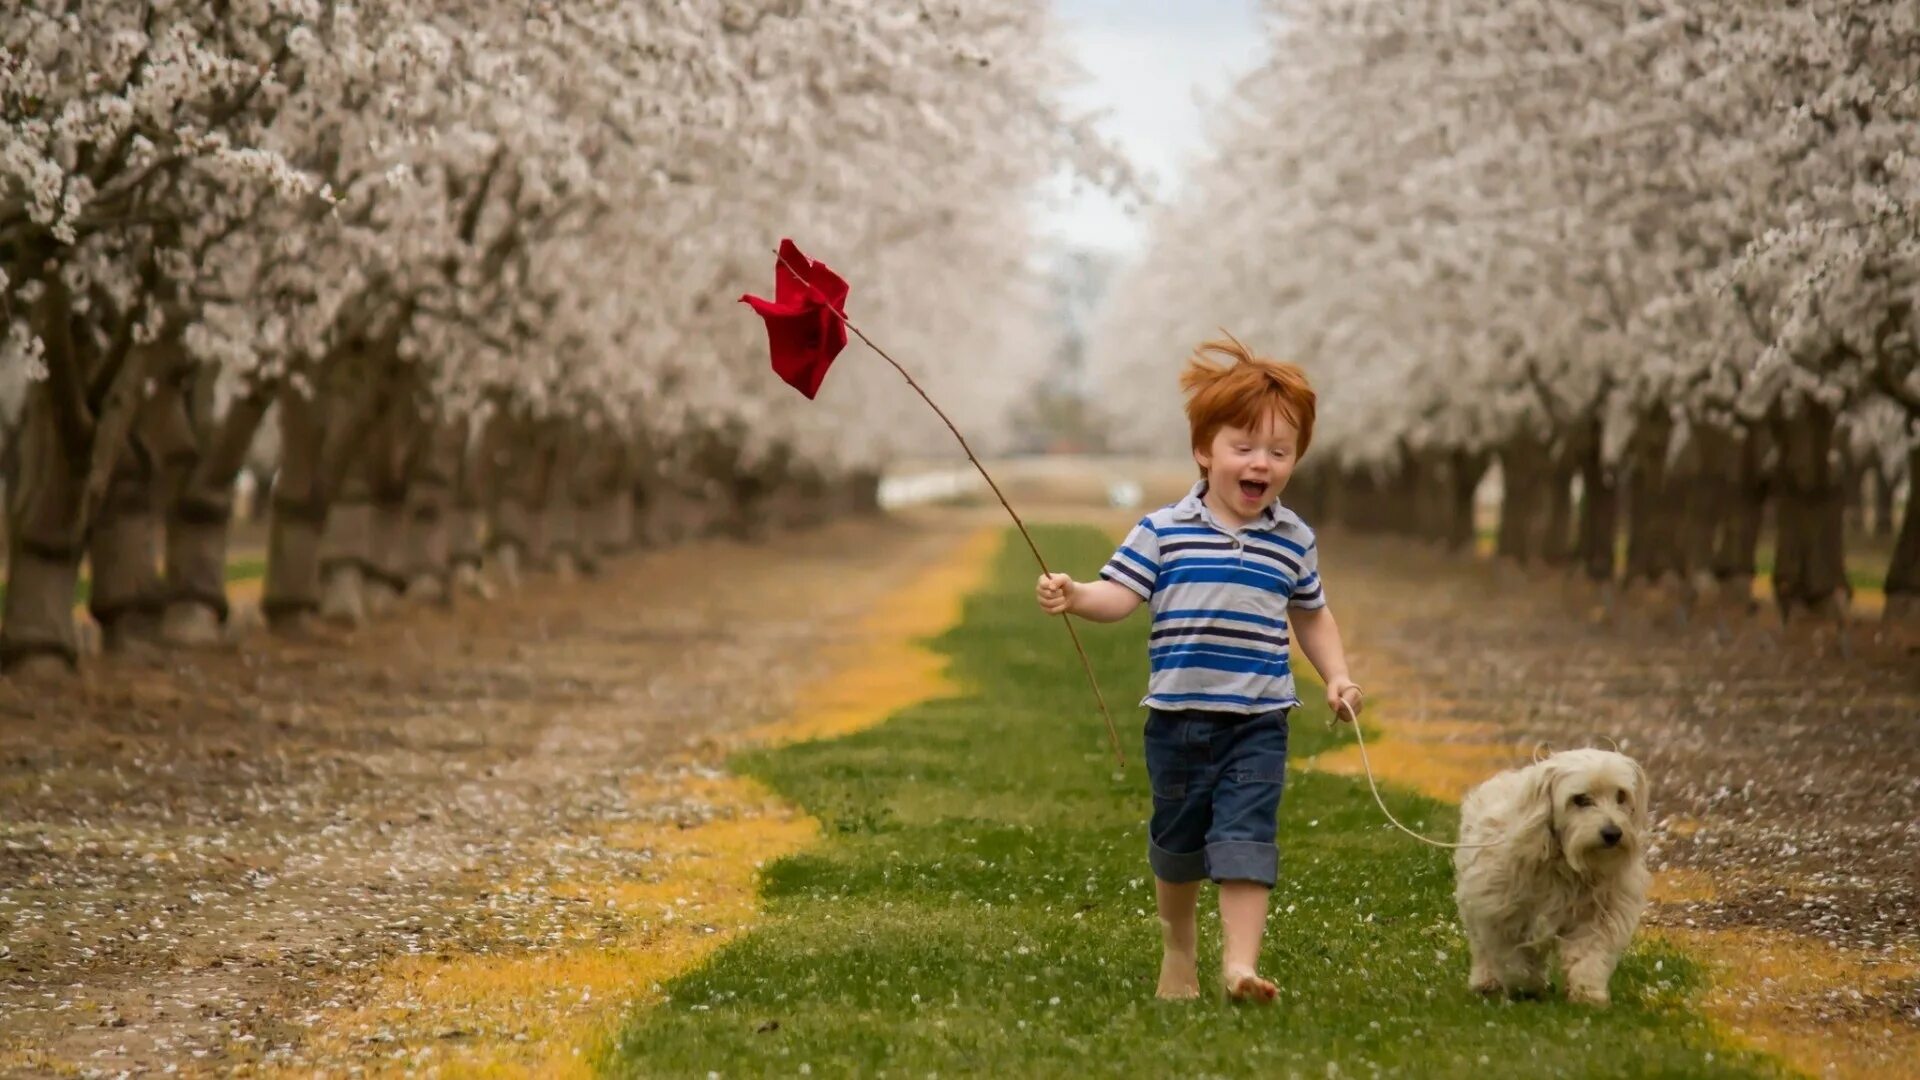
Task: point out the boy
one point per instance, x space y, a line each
1222 570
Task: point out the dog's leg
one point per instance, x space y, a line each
1482 980
1500 964
1589 955
1523 971
1592 949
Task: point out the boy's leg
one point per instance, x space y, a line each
1243 922
1176 836
1241 854
1179 958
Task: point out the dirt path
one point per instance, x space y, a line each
437 838
1786 777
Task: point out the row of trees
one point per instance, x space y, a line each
1657 261
471 270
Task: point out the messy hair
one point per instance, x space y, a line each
1242 391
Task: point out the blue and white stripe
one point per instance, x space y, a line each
1219 599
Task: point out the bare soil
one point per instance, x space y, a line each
200 852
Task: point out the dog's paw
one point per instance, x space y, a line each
1483 982
1595 996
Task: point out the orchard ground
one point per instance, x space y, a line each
485 836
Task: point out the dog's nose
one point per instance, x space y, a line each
1611 835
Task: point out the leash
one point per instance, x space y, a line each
1361 740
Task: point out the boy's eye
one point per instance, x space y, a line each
1583 800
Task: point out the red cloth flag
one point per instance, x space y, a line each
806 327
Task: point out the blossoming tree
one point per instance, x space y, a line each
1656 260
472 266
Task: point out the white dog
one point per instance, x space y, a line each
1567 868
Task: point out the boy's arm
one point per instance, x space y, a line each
1318 635
1097 601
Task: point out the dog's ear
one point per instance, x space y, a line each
1640 792
1534 838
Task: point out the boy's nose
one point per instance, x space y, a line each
1610 835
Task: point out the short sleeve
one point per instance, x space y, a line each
1136 564
1308 593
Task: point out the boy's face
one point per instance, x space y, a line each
1247 470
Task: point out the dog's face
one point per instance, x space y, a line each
1598 802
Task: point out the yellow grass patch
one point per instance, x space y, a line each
518 1013
1683 885
883 668
1438 756
1822 1010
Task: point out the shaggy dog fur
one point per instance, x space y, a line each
1569 870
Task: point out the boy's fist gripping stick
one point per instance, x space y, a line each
807 327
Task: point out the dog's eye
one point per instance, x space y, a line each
1583 800
1622 800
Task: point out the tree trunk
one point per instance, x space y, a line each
45 538
1883 485
76 424
1699 486
428 562
346 552
1903 572
544 495
1556 543
363 548
466 512
291 596
514 460
1524 500
1463 472
1653 539
1599 509
200 518
1853 488
1743 508
124 555
1809 569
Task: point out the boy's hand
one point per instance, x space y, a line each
1055 593
1345 691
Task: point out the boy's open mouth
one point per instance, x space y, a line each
1253 489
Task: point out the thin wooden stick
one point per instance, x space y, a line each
1113 736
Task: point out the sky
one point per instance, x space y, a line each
1145 61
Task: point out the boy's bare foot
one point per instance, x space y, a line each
1179 978
1248 986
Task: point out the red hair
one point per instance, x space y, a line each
1242 392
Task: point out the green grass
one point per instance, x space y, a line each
981 905
237 570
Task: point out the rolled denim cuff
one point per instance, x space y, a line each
1243 860
1176 868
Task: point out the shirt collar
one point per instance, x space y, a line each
1194 508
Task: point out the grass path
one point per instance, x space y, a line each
979 905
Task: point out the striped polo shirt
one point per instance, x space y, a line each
1219 598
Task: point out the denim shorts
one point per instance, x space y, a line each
1216 794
